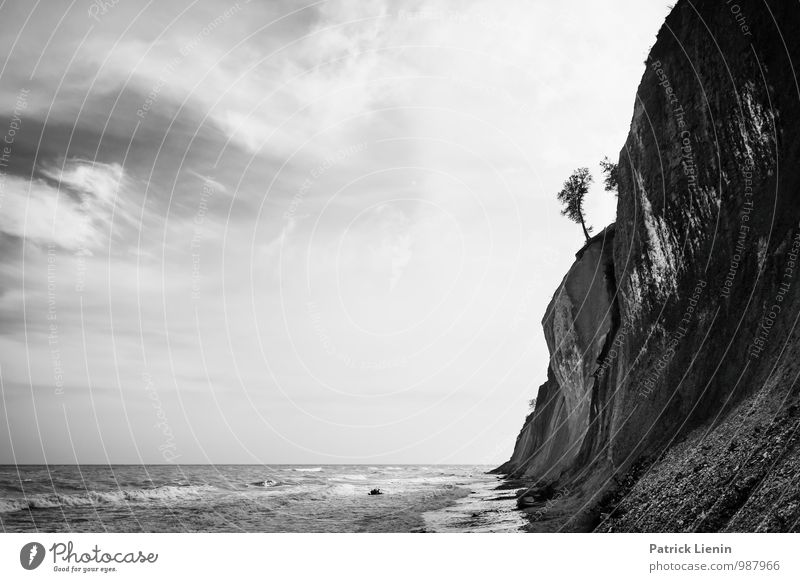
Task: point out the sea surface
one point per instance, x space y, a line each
254 498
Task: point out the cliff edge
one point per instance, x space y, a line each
671 401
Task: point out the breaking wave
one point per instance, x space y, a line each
351 477
264 483
118 497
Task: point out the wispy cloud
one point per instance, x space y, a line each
71 206
207 170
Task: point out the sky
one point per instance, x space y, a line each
289 232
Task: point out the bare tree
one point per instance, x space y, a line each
575 189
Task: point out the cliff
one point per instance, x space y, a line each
577 324
671 401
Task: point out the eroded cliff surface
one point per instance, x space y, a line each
693 318
577 324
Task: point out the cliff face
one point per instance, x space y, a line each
659 346
577 325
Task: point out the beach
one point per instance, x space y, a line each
252 498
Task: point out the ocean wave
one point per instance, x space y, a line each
92 498
310 470
10 505
352 477
264 483
344 489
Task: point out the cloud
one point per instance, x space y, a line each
209 181
396 241
88 179
34 211
443 239
71 207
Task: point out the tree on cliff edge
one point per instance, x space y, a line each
611 172
571 196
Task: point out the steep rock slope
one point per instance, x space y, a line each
577 323
706 295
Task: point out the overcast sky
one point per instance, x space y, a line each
278 232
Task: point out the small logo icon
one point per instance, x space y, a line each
31 555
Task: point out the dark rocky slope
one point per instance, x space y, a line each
671 402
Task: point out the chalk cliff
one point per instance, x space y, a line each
577 325
671 401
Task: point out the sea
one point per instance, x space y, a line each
254 498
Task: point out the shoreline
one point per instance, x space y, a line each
485 509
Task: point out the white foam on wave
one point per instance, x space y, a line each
91 497
351 477
479 512
12 505
345 489
264 483
309 470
